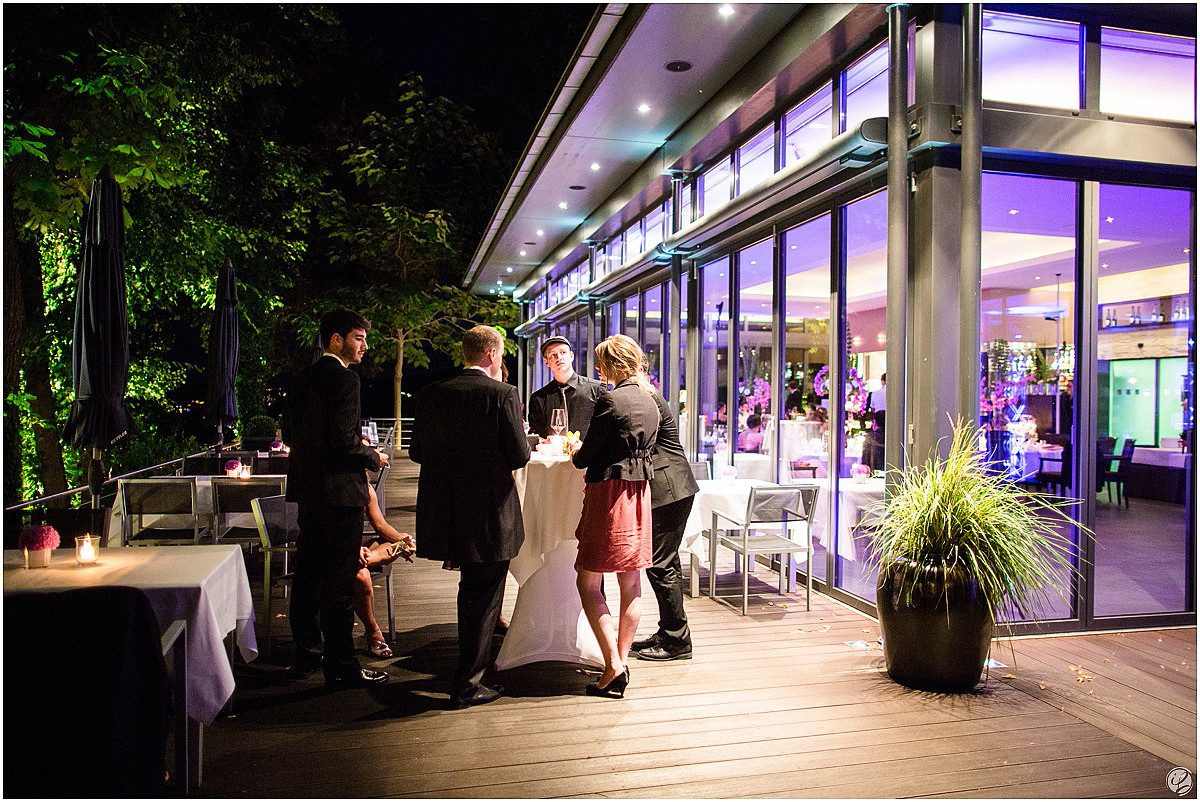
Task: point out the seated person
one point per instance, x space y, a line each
751 438
389 544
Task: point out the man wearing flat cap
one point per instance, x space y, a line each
567 389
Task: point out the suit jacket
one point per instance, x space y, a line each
581 393
673 479
468 439
617 446
328 461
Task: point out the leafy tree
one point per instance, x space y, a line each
92 85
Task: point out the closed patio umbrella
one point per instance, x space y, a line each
220 404
99 417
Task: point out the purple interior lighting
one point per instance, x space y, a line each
1033 62
1147 75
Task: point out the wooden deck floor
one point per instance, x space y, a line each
774 704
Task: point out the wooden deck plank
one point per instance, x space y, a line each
773 704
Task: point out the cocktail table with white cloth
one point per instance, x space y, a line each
204 586
548 621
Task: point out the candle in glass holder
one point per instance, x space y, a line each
85 549
245 472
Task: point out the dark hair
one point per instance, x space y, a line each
883 378
341 321
476 342
753 421
793 384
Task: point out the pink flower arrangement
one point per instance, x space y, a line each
276 445
36 538
233 465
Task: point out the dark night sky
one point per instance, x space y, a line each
501 59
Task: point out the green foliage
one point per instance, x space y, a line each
953 512
260 426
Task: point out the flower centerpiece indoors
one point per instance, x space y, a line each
37 542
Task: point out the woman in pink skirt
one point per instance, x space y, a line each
615 531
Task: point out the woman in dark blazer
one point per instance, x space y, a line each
614 530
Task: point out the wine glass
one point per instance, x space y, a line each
558 420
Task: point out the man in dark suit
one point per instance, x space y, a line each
566 390
468 439
672 491
327 479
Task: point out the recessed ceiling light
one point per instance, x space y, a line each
678 66
522 253
643 108
1037 278
753 262
492 290
1104 265
577 187
1187 250
508 269
1018 336
595 166
1108 219
500 282
562 204
540 233
725 10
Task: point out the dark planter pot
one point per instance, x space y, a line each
937 637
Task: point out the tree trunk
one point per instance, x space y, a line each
14 348
47 442
397 377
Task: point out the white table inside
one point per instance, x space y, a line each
205 586
548 621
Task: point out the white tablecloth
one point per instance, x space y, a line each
206 586
1160 456
732 497
750 466
548 621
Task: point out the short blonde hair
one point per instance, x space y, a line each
477 341
618 358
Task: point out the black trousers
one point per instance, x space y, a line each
480 594
666 575
323 586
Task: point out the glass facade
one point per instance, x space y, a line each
797 406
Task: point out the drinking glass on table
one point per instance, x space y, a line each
558 420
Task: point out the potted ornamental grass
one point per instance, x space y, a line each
955 546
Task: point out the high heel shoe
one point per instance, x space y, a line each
615 689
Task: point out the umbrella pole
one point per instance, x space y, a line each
96 476
220 434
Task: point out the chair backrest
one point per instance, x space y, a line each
169 495
380 483
276 463
1105 445
234 495
276 520
1127 449
768 504
701 470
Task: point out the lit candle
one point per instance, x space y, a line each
85 551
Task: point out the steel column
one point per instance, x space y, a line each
897 234
971 215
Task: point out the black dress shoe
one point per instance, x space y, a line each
305 666
614 689
646 643
361 678
480 696
662 652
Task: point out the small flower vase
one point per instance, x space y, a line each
37 558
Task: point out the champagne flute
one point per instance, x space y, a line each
558 420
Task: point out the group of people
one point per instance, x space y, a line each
469 437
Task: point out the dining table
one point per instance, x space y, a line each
204 586
548 623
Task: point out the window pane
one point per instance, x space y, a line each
714 186
1035 62
654 226
804 433
714 375
1147 75
685 205
807 127
866 88
1142 380
756 405
634 245
652 338
631 318
866 315
1027 331
756 160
